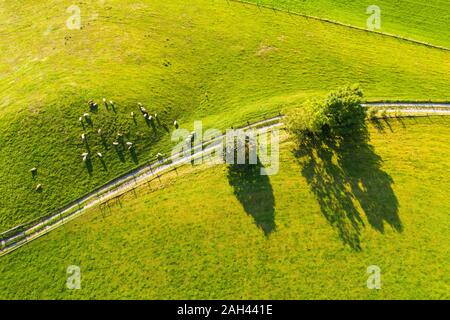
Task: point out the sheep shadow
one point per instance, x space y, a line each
104 142
255 193
105 167
346 177
89 166
120 153
134 156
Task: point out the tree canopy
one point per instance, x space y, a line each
339 113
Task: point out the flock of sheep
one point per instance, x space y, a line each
151 119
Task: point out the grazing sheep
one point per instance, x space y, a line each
80 119
86 115
175 124
99 132
33 171
142 109
130 145
85 156
115 143
39 187
99 155
93 106
83 137
132 114
105 102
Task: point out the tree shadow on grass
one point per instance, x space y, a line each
255 193
346 177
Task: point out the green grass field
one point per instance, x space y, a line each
223 63
308 232
415 19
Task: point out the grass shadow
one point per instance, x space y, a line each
255 193
346 177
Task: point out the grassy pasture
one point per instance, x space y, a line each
309 232
421 20
218 62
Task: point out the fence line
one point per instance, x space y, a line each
9 243
342 24
50 222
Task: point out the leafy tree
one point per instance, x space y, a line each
340 113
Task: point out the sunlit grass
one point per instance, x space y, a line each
194 239
414 19
223 63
